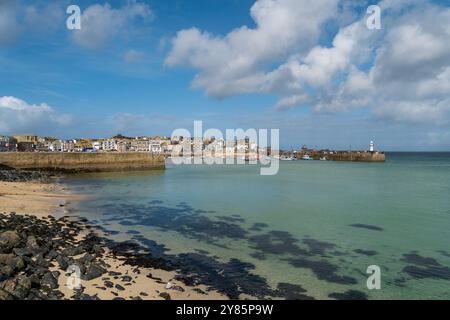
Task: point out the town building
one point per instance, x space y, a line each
155 147
26 142
123 146
139 145
82 144
26 147
26 138
8 144
158 145
95 146
109 145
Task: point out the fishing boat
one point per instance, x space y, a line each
307 157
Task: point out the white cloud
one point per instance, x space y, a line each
355 92
411 74
44 18
292 101
410 77
234 63
322 63
18 116
101 23
436 112
38 18
318 68
401 73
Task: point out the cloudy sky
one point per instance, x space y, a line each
310 68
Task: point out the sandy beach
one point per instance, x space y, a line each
121 280
35 198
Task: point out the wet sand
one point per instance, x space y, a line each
34 198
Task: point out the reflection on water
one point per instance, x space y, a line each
309 232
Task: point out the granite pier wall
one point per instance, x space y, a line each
82 161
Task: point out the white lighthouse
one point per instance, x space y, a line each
371 146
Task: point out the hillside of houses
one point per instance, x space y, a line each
157 145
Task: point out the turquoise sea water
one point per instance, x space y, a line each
310 231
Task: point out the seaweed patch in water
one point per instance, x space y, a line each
317 247
400 282
424 267
324 270
414 258
366 226
277 242
232 278
363 252
292 292
282 242
182 219
348 295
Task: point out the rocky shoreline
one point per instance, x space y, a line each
37 256
30 246
11 175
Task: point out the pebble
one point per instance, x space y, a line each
165 295
119 287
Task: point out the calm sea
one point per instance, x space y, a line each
310 231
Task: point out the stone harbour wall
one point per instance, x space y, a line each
82 161
359 157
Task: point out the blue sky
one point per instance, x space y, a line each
149 67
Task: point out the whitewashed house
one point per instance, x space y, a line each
109 145
96 145
155 147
